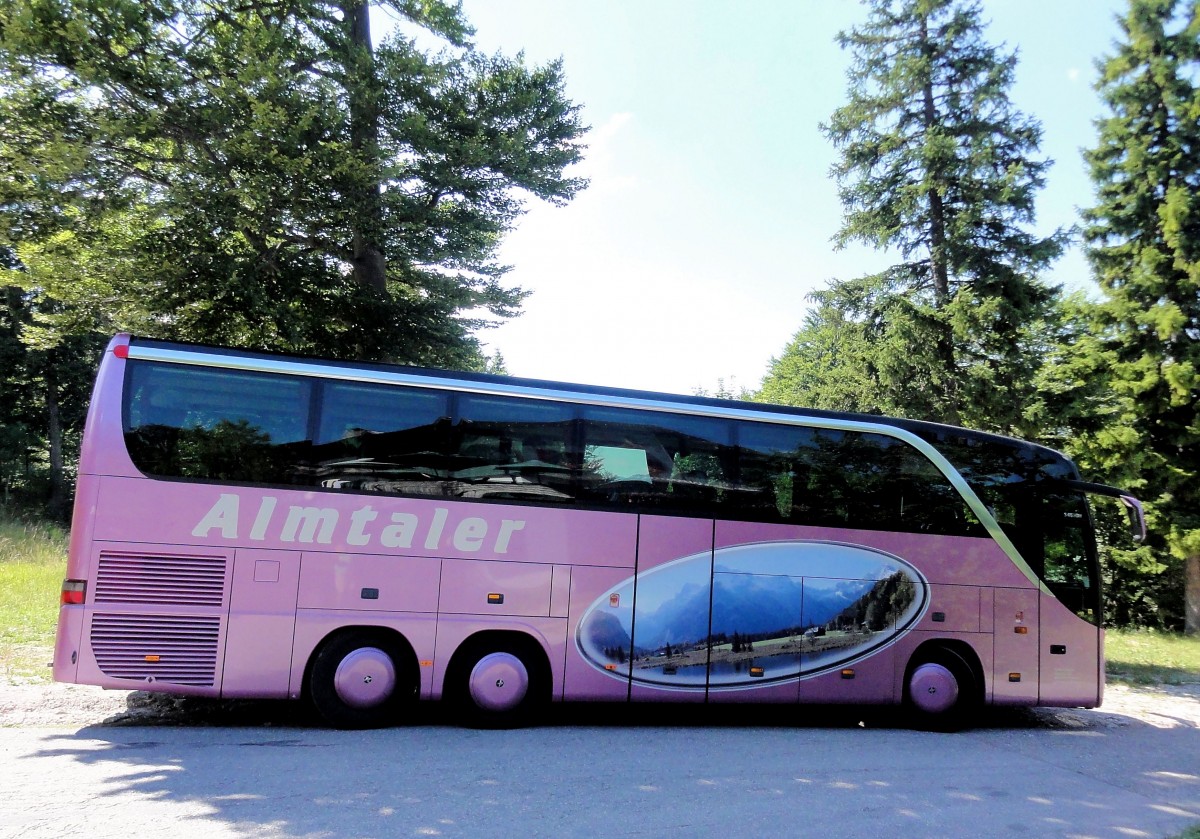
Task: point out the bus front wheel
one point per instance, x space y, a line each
941 691
358 681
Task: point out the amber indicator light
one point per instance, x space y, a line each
848 673
1021 630
495 598
1014 677
153 659
756 672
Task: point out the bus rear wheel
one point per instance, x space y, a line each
940 690
498 685
358 681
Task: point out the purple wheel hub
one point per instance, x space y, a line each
499 682
933 688
365 678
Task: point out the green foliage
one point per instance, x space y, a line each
828 364
936 165
1141 423
259 176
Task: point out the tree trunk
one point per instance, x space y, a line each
937 253
937 221
58 483
368 261
1191 595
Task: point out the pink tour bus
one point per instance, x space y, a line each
366 536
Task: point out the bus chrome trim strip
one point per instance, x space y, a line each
321 370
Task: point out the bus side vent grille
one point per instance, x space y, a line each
174 580
157 648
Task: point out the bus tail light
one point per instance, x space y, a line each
73 592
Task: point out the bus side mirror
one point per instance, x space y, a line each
1137 517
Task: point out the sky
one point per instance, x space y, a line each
711 211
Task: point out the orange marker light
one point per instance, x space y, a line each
757 672
153 659
1021 630
1014 677
848 673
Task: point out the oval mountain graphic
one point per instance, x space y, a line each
779 610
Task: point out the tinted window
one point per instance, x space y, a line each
662 461
519 449
196 422
836 478
378 438
213 424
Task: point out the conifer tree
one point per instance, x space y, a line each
938 167
1143 237
270 175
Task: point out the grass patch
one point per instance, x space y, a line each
1149 657
33 558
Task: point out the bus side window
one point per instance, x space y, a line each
214 424
381 438
665 461
513 449
769 473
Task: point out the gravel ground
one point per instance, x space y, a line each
53 705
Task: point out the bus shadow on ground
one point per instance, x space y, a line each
156 709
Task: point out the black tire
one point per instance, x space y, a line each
361 680
941 692
502 684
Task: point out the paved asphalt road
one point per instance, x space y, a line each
744 772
